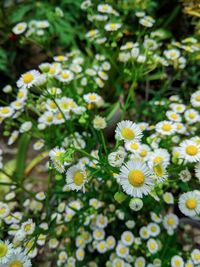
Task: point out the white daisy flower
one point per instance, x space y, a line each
144 232
117 262
91 98
18 258
6 112
60 58
102 247
105 8
140 262
168 198
165 127
128 131
127 238
76 177
180 128
189 151
147 21
195 99
189 204
170 222
110 27
135 178
154 229
65 76
122 251
152 246
80 254
28 227
5 251
191 116
178 108
173 116
172 54
111 242
134 147
4 210
99 234
177 261
28 79
19 28
195 255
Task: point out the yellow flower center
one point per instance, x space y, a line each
102 246
166 127
158 170
112 26
3 250
65 75
53 105
2 210
5 110
197 98
59 116
191 203
191 150
27 227
134 146
128 238
28 78
20 94
127 133
170 221
122 250
61 58
49 118
136 178
177 262
20 27
157 160
92 97
143 153
152 246
78 178
52 70
197 256
174 116
16 264
191 115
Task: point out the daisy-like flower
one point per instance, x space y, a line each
102 247
65 76
76 177
127 238
177 261
135 178
91 98
5 251
154 229
196 256
180 128
134 147
165 128
111 27
28 79
191 116
168 198
80 254
170 222
19 28
105 8
60 58
152 246
178 108
189 203
111 242
6 112
128 131
189 151
144 232
195 99
147 21
122 251
140 262
117 262
99 234
173 116
172 54
18 259
28 227
4 210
